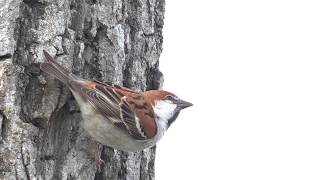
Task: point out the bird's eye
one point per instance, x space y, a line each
169 97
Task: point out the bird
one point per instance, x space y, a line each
116 116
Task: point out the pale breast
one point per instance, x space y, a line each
103 131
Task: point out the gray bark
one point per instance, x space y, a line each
109 40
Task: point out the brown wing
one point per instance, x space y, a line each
142 110
116 104
106 103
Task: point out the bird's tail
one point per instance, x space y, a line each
53 68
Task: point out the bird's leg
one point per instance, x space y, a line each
99 161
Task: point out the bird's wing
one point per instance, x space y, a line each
143 111
125 108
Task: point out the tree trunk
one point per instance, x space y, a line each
109 40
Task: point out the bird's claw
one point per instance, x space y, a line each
99 161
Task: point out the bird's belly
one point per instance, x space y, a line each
106 133
103 131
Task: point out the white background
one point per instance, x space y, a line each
252 70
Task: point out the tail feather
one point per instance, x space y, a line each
53 68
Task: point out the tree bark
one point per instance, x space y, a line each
119 41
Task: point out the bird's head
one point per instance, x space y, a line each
166 105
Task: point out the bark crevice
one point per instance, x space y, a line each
3 123
6 56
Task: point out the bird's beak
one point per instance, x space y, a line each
183 104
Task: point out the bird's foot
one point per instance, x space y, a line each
99 161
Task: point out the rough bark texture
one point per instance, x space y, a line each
108 40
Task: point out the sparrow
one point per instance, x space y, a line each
117 116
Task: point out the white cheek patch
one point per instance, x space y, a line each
164 110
